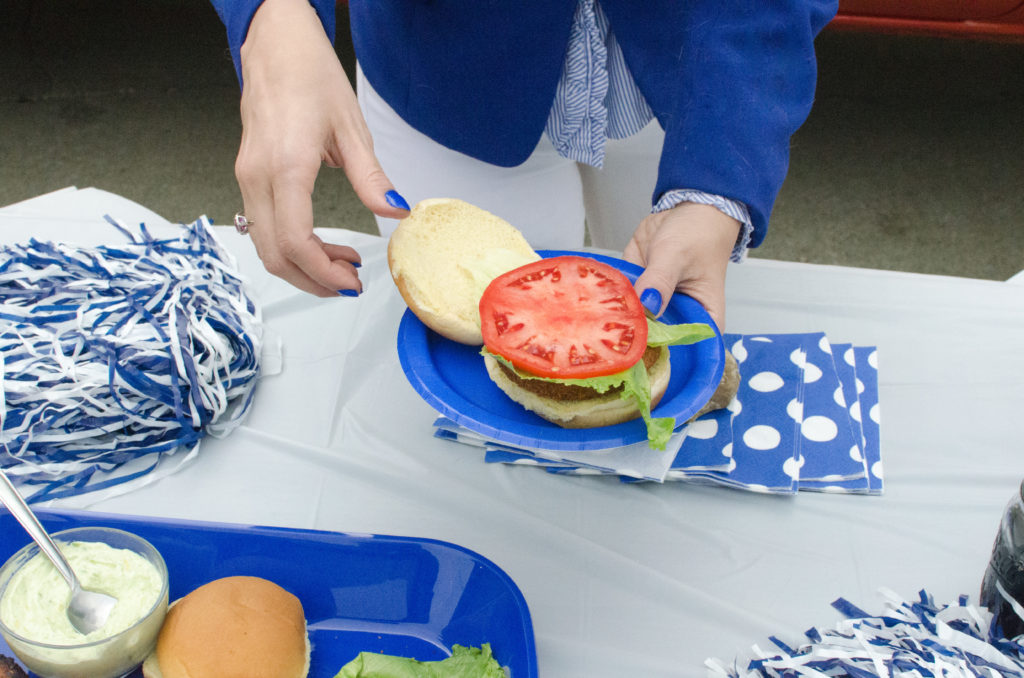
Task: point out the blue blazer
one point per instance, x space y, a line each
728 80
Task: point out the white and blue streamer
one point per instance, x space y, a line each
919 639
112 357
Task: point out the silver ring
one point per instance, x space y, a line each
242 224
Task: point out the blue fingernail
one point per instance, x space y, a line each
349 293
356 264
395 200
651 299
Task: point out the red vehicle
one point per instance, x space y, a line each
989 19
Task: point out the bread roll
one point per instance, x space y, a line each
444 254
726 389
235 627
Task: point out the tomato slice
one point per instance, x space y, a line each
567 317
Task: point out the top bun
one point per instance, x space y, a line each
235 627
444 254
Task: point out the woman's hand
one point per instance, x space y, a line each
684 249
299 111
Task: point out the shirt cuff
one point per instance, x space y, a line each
727 206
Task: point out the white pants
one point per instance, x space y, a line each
554 202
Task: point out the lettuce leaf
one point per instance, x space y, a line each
635 383
465 662
637 386
660 334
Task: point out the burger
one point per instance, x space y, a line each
565 337
234 627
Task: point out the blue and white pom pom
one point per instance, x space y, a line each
909 639
112 357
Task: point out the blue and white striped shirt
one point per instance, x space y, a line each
597 99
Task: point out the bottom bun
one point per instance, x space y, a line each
601 410
235 627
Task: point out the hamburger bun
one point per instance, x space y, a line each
444 254
592 411
235 627
726 389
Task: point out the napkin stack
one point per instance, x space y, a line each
806 417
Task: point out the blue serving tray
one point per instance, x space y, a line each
452 378
393 595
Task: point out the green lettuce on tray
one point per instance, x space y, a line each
465 662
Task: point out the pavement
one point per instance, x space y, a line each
912 158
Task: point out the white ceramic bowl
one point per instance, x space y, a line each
108 657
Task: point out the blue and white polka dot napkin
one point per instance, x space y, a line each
805 417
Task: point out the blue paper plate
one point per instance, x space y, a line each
395 595
452 378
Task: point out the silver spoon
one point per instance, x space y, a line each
87 610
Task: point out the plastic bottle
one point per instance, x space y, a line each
1002 589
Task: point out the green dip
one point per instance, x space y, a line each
35 602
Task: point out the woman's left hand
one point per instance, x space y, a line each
684 249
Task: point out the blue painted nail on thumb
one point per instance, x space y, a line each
396 200
651 299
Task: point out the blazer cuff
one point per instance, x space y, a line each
236 16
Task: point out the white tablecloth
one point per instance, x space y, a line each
621 579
